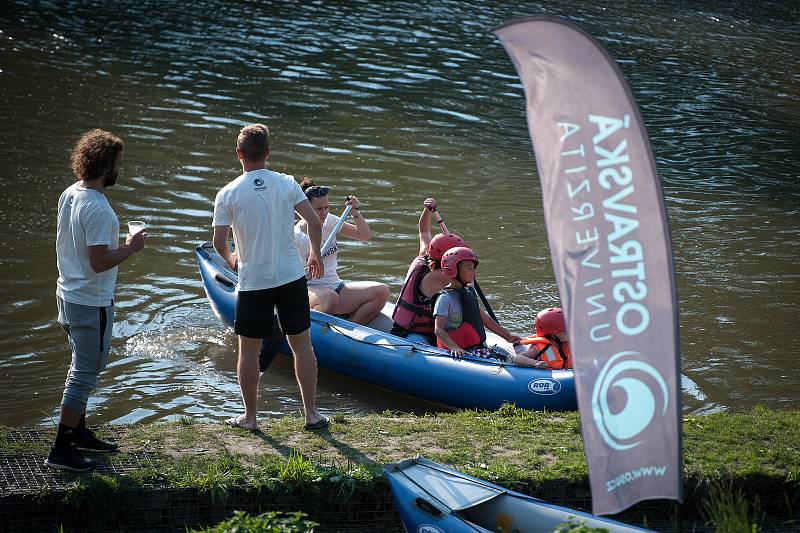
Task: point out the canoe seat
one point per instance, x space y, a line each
383 322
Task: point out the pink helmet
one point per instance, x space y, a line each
454 256
550 321
443 242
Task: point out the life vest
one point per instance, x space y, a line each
555 355
471 333
413 312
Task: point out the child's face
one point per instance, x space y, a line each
466 271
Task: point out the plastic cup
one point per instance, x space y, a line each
135 226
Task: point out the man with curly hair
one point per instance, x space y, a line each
87 253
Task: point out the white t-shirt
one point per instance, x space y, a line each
259 205
329 257
85 218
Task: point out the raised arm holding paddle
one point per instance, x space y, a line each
486 305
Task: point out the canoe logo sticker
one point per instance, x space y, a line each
546 386
626 398
428 528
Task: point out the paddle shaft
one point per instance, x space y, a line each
482 296
440 221
336 229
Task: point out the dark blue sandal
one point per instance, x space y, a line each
321 423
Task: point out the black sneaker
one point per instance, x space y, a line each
85 440
68 459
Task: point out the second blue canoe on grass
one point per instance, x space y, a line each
434 498
373 355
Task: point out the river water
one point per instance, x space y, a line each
394 103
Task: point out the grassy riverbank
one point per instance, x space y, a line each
532 452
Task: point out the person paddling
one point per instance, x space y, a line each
413 316
361 300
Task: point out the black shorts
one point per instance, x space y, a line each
254 310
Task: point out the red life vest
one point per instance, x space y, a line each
555 355
471 333
413 312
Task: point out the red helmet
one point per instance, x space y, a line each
550 321
454 256
443 242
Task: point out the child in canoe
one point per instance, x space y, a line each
550 344
459 322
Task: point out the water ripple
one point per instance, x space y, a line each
393 103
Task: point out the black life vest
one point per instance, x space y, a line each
471 333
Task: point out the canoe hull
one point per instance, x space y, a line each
371 355
434 498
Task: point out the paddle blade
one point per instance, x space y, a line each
611 251
270 346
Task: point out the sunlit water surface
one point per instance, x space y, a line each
394 103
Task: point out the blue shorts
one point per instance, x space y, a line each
89 331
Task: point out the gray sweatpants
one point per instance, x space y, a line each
89 331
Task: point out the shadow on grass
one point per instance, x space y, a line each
353 455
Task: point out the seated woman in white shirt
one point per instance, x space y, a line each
361 300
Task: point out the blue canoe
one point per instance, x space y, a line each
434 498
371 354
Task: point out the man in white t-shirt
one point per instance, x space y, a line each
87 254
259 206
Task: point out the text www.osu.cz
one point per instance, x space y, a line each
627 477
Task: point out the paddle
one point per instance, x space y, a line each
440 221
270 345
488 307
336 228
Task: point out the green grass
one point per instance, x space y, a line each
728 511
214 474
94 490
533 452
264 523
217 474
12 446
717 442
577 526
298 470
